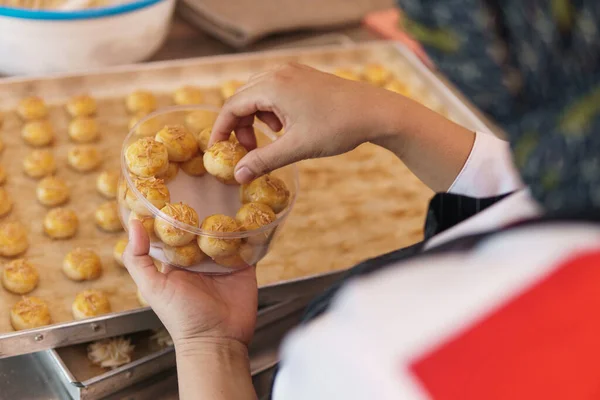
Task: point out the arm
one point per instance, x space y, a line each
323 115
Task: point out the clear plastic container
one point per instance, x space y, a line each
247 240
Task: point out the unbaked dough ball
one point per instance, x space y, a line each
171 235
20 276
52 191
6 203
61 223
180 143
81 106
184 256
171 172
3 175
376 74
38 133
39 163
82 264
30 312
268 190
90 303
217 247
13 239
84 158
140 101
107 183
107 217
229 88
346 74
146 157
194 166
152 189
220 160
200 119
118 251
31 108
83 129
147 223
188 95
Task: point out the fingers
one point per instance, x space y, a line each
270 120
265 159
137 261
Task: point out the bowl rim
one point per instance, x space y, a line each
90 13
281 217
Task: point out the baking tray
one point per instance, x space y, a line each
84 381
382 209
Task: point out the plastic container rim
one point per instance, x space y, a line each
192 229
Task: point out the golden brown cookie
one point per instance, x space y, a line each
61 223
52 191
30 312
268 190
171 235
107 183
146 157
82 264
152 189
220 160
188 95
84 158
180 143
31 108
39 163
217 247
107 217
83 129
141 101
90 303
20 276
81 106
13 239
38 133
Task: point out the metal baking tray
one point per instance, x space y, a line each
165 76
272 324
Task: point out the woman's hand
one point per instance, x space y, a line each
324 115
194 307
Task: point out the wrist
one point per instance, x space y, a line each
391 120
212 347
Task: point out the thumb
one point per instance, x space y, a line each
137 261
265 159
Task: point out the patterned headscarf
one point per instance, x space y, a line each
534 67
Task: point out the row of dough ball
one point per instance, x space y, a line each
40 133
33 312
81 158
21 277
34 108
63 223
377 75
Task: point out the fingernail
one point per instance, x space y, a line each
243 174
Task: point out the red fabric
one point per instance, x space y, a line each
543 344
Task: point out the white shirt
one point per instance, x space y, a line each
378 325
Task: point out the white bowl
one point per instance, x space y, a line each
38 42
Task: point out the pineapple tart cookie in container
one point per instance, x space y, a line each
200 218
